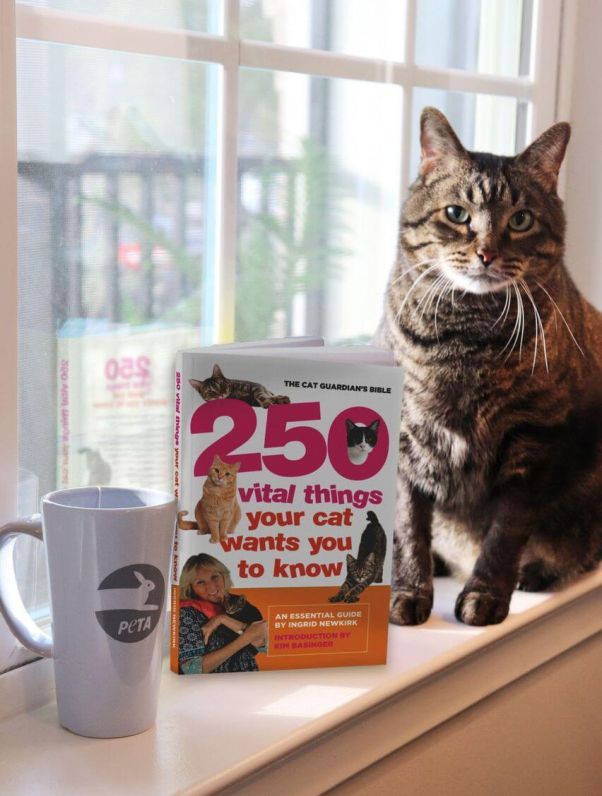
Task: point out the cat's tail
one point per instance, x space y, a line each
186 525
281 399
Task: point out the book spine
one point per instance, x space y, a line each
175 600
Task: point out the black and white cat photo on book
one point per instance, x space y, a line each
361 440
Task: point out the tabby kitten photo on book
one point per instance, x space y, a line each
218 386
217 512
361 440
500 450
367 568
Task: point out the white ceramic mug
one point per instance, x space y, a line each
108 552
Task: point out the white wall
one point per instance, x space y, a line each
582 106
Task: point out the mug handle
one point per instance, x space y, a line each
18 620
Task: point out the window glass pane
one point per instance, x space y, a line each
203 16
343 26
484 123
318 204
486 36
116 194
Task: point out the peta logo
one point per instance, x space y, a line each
130 600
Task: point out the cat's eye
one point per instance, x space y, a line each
457 214
215 470
521 221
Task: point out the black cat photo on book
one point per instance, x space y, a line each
281 448
367 568
361 440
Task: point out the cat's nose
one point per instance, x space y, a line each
487 256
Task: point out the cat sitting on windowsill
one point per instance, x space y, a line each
500 465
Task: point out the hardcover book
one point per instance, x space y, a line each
285 469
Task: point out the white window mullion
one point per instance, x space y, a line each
321 63
83 30
472 82
227 180
59 27
545 49
262 55
408 98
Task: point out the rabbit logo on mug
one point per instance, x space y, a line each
131 599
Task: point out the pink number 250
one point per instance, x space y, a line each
278 434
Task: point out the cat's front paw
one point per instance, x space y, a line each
335 599
410 607
481 607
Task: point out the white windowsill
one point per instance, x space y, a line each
255 734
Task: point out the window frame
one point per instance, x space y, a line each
539 89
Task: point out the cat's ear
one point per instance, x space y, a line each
546 153
374 426
196 384
350 425
217 372
217 460
235 467
438 142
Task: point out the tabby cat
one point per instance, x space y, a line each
218 386
217 512
367 568
501 433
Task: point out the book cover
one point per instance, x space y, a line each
285 470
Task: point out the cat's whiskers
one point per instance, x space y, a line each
412 268
432 291
516 329
556 307
505 308
425 295
537 321
522 319
414 286
536 341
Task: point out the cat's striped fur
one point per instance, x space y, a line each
501 436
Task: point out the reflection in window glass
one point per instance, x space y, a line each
318 205
341 26
484 123
485 36
203 16
114 248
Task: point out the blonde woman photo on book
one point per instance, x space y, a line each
219 631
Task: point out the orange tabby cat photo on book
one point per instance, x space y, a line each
217 512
